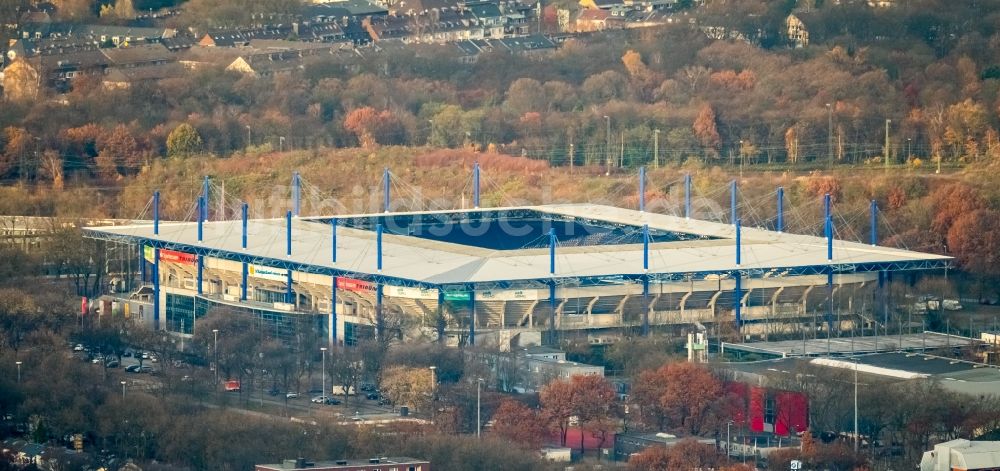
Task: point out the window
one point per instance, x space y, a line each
769 409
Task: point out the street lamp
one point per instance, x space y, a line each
729 440
433 381
607 146
479 409
829 133
123 390
856 437
323 349
656 148
215 352
18 363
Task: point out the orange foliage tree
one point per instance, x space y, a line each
589 398
974 240
707 132
517 423
686 454
950 202
677 395
373 127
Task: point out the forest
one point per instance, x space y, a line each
916 81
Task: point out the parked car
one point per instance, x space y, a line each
147 369
78 347
373 396
111 364
325 400
132 369
291 395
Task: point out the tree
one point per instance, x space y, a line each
677 394
184 141
589 398
374 127
706 132
121 149
974 241
408 386
19 317
17 143
950 202
685 454
515 422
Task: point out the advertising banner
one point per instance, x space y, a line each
410 293
358 286
178 257
147 253
267 273
512 295
457 296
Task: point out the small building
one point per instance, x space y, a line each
371 464
592 19
796 31
963 455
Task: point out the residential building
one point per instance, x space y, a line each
796 31
371 464
962 455
592 19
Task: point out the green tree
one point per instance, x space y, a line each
184 141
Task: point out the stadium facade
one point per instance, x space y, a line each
488 276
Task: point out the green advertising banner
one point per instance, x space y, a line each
147 253
457 296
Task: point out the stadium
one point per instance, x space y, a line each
491 276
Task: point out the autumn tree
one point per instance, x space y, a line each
950 202
706 131
517 423
685 454
373 127
406 386
677 394
184 141
589 398
17 143
974 241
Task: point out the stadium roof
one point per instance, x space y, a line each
414 260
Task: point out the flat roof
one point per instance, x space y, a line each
351 463
435 262
956 375
854 345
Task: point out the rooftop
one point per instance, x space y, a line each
680 248
853 345
303 465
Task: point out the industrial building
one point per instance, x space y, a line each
489 276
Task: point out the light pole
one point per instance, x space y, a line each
729 440
857 439
123 390
887 150
215 352
323 349
479 409
607 146
281 143
433 381
18 363
656 148
249 140
829 133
